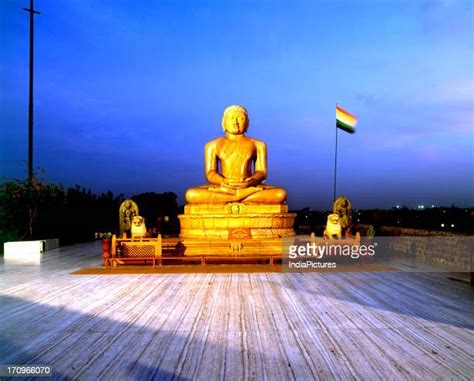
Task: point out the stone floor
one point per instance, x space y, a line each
277 326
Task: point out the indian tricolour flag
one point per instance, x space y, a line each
345 121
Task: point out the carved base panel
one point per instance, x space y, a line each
226 233
253 247
234 208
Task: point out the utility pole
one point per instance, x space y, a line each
32 12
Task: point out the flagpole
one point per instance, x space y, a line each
335 166
346 122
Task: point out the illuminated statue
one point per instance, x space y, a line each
235 213
236 167
333 227
138 229
128 210
343 208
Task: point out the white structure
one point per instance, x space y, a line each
27 252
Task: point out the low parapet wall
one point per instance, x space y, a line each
396 231
442 249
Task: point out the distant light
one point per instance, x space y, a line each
442 225
398 222
452 225
358 220
398 206
432 206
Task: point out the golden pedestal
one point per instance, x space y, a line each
235 229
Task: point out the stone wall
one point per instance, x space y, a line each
442 249
396 231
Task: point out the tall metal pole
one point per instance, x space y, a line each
335 168
32 12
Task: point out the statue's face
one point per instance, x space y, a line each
333 218
235 122
137 221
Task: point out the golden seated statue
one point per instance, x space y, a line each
236 155
235 202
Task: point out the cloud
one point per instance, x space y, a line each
446 3
368 98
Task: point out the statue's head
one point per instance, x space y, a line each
333 219
138 220
235 120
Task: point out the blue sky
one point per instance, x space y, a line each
127 93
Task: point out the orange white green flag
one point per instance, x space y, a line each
345 121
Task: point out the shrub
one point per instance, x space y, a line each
25 201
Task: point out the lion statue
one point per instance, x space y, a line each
138 227
128 210
333 227
343 208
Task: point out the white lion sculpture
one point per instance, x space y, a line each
333 227
138 227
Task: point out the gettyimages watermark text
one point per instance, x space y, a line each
398 253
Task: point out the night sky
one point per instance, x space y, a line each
128 92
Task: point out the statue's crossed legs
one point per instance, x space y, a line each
261 194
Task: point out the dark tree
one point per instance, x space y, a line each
160 211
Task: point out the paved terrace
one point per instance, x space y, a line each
233 326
